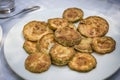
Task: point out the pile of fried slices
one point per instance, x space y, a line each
58 41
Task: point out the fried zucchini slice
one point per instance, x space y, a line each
82 62
37 62
67 36
46 42
34 30
93 26
55 23
84 45
71 25
61 55
103 45
73 14
30 47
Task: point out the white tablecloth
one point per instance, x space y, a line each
108 7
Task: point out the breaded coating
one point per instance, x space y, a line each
34 30
73 14
85 45
82 62
93 26
71 25
67 36
30 47
37 62
46 42
61 55
55 23
103 45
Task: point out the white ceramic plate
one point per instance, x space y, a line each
0 34
15 54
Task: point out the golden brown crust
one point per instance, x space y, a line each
67 36
103 45
35 29
61 55
82 62
30 47
55 23
93 26
73 14
46 42
37 62
84 45
71 25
